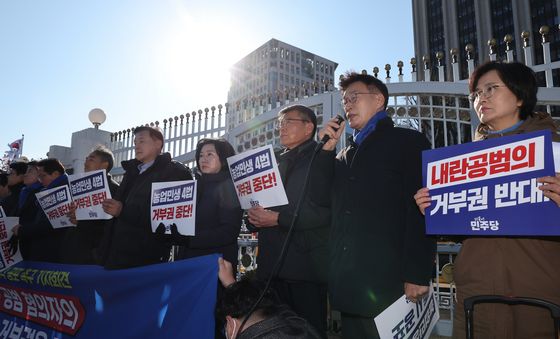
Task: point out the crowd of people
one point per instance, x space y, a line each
352 233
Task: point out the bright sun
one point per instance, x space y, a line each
195 56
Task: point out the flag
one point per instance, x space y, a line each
16 148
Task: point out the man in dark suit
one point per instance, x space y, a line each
378 246
301 278
131 242
83 241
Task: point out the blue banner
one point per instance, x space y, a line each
171 300
489 188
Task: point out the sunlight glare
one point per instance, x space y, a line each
195 56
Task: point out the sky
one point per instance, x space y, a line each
146 60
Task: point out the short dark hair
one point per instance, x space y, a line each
223 148
51 165
369 80
155 133
304 112
517 77
31 164
106 156
19 167
239 297
3 179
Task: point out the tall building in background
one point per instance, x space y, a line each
440 25
272 70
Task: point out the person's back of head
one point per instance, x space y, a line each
4 191
270 319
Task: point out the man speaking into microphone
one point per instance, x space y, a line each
378 249
300 279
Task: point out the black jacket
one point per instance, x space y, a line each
27 211
10 203
42 241
218 219
283 324
132 242
378 239
307 252
82 240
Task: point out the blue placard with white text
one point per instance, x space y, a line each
489 188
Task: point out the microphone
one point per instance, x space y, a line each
326 137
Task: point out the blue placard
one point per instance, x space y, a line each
489 188
171 300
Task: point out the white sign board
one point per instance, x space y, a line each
55 202
7 257
174 203
89 190
405 319
256 178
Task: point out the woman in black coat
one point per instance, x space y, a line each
218 213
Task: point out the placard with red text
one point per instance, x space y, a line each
490 188
256 178
55 202
89 190
174 203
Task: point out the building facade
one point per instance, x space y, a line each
443 25
272 73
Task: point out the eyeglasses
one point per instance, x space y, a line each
287 121
352 97
486 92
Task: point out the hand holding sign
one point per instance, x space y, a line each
112 207
423 199
551 187
260 217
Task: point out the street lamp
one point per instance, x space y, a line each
96 116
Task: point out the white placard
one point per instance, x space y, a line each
2 213
174 202
556 153
256 178
405 319
88 192
55 202
6 226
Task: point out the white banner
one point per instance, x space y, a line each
556 152
2 213
55 202
6 226
89 190
405 319
256 178
174 203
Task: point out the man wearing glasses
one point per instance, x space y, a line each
301 278
378 247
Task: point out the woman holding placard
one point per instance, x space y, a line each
218 214
504 96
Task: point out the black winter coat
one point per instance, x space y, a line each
378 239
42 241
132 242
10 203
307 252
218 219
82 240
27 211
